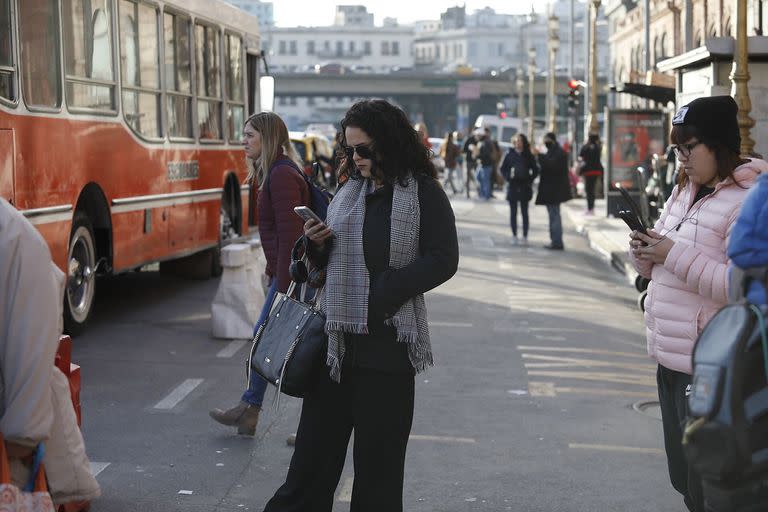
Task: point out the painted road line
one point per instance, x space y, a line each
482 241
615 448
549 389
559 329
555 361
345 494
178 394
549 338
618 378
451 324
189 318
582 350
98 467
442 439
232 348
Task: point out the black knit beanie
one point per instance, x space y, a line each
715 119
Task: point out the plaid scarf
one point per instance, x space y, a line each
345 297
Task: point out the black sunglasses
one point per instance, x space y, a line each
363 151
684 150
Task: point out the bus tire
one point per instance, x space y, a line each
80 289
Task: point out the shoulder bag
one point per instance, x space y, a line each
289 347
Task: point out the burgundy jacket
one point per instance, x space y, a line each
279 226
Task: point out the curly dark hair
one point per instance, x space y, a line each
399 150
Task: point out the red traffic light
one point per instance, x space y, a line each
573 84
503 115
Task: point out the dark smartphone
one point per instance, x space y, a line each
631 220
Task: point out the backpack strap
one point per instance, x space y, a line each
289 163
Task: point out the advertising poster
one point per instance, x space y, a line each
634 136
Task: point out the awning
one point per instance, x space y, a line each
651 92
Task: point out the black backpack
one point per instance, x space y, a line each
726 436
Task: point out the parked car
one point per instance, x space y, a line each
330 68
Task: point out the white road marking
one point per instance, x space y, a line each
542 389
618 378
345 494
559 329
581 350
451 324
232 348
615 448
442 439
190 318
98 467
549 338
554 361
178 394
482 241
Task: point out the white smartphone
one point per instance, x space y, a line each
305 213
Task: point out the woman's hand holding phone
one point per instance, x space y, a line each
317 232
650 246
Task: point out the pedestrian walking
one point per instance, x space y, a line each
450 152
519 169
470 162
390 237
275 170
485 156
554 187
591 169
684 255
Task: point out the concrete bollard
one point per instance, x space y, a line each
239 299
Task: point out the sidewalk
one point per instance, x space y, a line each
607 235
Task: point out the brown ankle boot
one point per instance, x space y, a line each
244 416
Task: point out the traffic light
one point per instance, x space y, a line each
573 94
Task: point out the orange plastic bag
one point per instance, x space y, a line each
13 499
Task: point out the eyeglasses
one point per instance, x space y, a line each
684 150
363 151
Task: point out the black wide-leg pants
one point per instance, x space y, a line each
378 406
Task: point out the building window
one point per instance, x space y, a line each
385 47
310 101
208 42
501 49
293 101
310 47
395 48
40 65
366 47
472 51
339 48
90 77
178 75
281 48
292 48
140 69
234 83
327 46
351 47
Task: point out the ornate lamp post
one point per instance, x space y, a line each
520 85
740 79
593 127
554 44
531 80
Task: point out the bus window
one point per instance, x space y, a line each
88 54
208 82
38 40
7 69
139 63
235 97
178 72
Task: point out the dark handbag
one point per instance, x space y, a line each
289 347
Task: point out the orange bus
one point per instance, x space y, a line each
120 130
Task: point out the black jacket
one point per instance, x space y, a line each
554 185
391 288
590 156
519 171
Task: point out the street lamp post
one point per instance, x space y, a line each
740 79
520 84
593 127
554 44
531 79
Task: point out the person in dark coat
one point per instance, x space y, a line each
277 173
591 169
554 187
519 170
390 237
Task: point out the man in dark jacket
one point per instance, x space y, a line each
554 187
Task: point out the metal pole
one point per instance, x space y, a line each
531 79
571 71
587 46
647 42
594 128
554 43
740 79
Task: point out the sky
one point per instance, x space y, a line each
309 13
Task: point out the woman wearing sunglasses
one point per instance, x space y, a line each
684 255
390 237
276 172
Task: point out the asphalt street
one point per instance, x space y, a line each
541 398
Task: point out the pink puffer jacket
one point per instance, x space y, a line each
691 286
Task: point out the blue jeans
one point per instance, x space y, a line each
484 175
555 225
257 386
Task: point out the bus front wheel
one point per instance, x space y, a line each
81 275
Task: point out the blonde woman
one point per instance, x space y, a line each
276 171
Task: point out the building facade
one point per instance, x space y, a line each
262 10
